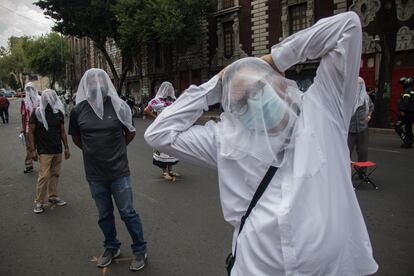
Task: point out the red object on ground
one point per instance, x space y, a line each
364 171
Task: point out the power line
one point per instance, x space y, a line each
21 15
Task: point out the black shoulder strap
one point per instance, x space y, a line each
231 259
258 194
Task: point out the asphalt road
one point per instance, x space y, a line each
182 221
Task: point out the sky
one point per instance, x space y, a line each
21 17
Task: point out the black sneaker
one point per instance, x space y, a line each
107 256
138 262
28 170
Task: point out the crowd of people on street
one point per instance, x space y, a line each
282 156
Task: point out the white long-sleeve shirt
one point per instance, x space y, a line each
308 221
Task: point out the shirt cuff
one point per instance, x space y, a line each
283 57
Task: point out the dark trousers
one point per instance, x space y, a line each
360 141
4 114
120 190
404 128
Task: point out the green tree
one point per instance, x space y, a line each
131 23
13 60
174 24
47 56
88 18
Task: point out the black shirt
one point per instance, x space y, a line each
48 141
103 141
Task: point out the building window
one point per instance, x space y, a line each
297 18
228 39
228 4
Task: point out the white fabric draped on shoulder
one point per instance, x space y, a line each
260 111
94 87
49 97
31 100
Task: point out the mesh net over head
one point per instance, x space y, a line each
95 87
49 97
166 90
261 108
31 100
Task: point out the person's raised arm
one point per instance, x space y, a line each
174 132
337 41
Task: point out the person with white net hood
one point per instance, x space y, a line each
165 97
28 105
281 156
46 135
101 126
358 135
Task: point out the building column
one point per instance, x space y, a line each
260 25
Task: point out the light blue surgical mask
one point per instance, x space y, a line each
264 111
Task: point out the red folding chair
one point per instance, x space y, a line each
364 170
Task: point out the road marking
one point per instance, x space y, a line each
384 150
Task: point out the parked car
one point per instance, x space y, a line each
13 93
2 91
8 94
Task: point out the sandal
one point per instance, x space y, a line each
174 174
167 176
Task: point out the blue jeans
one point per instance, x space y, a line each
120 189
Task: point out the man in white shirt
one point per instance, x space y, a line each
308 221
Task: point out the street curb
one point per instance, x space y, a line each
373 130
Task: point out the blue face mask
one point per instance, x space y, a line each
265 111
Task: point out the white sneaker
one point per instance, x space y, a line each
38 208
57 201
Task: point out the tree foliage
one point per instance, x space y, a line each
47 56
13 82
132 24
85 18
174 24
13 60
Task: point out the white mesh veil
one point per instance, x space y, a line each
31 100
362 97
94 87
166 90
261 108
49 97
